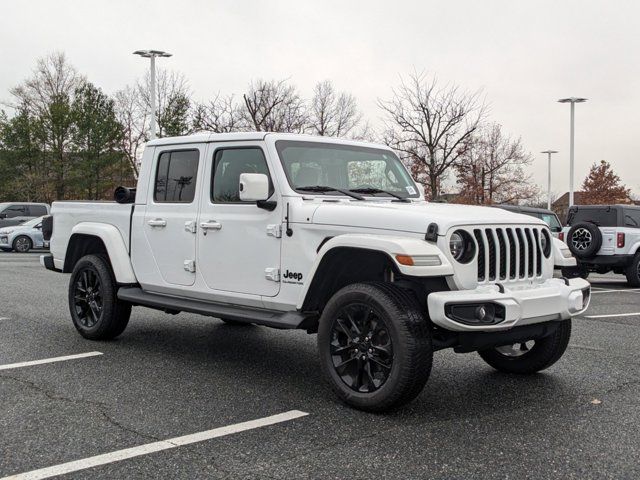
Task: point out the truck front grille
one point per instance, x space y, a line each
508 253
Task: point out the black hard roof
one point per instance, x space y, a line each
603 207
518 208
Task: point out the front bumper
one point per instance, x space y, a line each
4 240
519 304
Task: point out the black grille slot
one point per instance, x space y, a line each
480 241
536 236
503 254
527 234
491 244
522 262
512 253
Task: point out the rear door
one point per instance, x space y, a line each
171 213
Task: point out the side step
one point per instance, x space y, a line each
268 318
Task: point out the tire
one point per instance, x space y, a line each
633 272
544 353
22 244
584 240
575 272
95 309
395 357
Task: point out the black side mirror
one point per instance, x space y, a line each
3 215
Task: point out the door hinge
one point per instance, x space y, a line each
274 230
272 274
190 227
190 265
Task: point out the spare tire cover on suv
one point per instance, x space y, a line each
584 239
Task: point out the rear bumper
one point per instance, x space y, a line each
47 262
553 299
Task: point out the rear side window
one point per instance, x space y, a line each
176 176
632 218
16 211
228 164
37 210
602 217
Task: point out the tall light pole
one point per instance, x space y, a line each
152 54
549 152
572 101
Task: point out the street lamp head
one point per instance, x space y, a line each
572 100
151 53
550 151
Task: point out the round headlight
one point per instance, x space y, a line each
545 243
457 245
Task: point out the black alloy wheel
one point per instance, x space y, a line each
361 348
88 297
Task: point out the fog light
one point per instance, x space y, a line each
475 314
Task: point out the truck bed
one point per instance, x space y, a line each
66 215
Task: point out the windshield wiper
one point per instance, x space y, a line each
371 191
323 189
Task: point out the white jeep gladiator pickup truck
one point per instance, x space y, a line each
326 235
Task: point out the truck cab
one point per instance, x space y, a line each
327 235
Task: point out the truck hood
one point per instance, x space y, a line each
414 217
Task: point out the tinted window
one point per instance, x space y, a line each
16 211
176 177
632 217
228 165
602 217
37 210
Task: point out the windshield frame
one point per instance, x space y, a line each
344 146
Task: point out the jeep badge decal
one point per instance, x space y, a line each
292 277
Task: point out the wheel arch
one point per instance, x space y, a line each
96 238
354 258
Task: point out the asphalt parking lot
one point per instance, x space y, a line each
168 377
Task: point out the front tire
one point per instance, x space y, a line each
633 272
532 356
95 309
375 346
575 272
22 244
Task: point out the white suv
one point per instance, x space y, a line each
604 238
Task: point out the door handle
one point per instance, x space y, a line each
210 225
158 222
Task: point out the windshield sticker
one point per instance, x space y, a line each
411 190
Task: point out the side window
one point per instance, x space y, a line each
16 211
37 210
228 164
632 218
176 176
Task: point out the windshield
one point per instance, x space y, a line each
552 221
32 223
345 167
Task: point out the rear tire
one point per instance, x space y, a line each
22 244
95 309
544 353
575 272
633 272
375 346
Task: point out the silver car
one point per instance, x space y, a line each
23 238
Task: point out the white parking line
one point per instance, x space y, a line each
623 290
4 318
612 315
9 366
145 449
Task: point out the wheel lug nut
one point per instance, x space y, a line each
371 350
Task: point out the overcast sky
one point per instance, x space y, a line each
524 55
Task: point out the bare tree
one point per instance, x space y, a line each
172 92
491 169
133 116
333 114
430 126
220 115
274 106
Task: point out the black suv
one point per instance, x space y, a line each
604 238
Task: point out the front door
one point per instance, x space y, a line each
238 242
171 213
